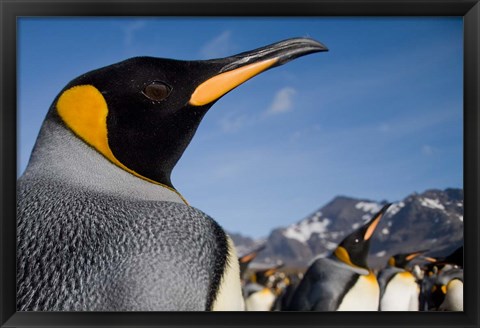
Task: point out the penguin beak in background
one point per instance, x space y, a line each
247 258
429 259
372 225
252 255
244 66
413 255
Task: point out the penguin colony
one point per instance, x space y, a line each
344 282
100 226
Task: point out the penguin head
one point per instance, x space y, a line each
246 259
267 276
402 260
142 113
454 259
353 250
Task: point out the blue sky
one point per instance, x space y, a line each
379 116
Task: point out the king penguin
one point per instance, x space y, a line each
343 281
100 226
399 289
260 290
444 291
450 282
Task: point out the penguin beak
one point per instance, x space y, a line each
250 256
247 258
372 225
244 66
429 259
271 271
413 255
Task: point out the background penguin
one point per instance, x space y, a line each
427 292
443 287
432 291
342 282
259 298
266 276
100 225
285 296
260 290
450 283
399 290
246 259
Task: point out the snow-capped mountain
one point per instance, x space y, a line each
432 220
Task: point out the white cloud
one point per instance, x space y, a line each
219 46
282 101
131 29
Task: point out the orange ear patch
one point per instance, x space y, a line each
391 261
342 254
84 110
444 289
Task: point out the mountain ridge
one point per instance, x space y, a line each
430 220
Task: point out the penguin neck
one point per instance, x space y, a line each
60 155
349 265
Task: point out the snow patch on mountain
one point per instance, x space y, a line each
366 217
317 216
335 234
329 245
381 254
395 208
432 203
303 230
368 207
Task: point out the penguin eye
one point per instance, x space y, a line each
157 91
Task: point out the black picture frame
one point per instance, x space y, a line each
10 10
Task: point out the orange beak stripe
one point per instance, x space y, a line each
248 258
372 227
217 86
412 256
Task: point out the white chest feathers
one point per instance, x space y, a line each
363 296
454 297
229 296
260 301
401 294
